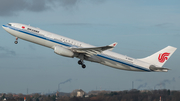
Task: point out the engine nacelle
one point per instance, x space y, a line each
63 51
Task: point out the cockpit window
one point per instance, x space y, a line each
9 24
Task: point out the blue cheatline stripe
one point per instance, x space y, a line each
68 45
138 67
38 35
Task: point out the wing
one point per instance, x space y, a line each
93 50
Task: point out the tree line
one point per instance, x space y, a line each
131 95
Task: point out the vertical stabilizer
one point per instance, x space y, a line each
159 58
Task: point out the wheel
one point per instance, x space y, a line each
15 42
83 66
80 62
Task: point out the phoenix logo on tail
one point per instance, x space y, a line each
163 57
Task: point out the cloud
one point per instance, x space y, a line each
4 52
72 3
164 25
68 3
9 7
12 7
38 5
97 1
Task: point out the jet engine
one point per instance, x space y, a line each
63 51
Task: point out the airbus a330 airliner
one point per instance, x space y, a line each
71 48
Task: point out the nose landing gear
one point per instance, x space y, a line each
16 40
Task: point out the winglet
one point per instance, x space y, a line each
113 45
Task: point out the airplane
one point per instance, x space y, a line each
104 55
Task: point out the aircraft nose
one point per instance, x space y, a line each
3 26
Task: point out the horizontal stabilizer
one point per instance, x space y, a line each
158 69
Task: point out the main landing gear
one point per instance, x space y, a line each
80 62
16 40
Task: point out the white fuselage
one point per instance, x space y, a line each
51 40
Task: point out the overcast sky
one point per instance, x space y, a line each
140 27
